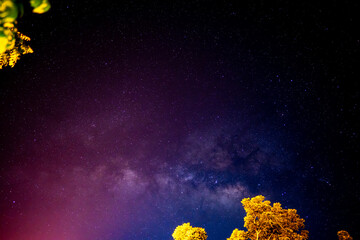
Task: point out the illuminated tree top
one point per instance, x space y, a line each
344 235
264 221
187 232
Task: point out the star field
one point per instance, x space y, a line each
134 117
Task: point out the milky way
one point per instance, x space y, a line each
131 119
124 170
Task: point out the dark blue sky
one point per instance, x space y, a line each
134 117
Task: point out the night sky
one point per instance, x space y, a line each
133 117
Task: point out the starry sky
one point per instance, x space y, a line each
133 117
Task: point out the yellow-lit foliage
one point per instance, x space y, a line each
264 221
40 6
11 56
8 11
344 235
187 232
238 235
13 43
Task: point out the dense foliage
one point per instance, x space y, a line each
187 232
263 222
12 42
344 235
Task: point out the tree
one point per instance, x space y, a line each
238 235
187 232
11 56
40 6
13 44
344 235
267 222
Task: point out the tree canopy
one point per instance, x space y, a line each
344 235
264 221
187 232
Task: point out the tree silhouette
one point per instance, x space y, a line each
264 221
187 232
